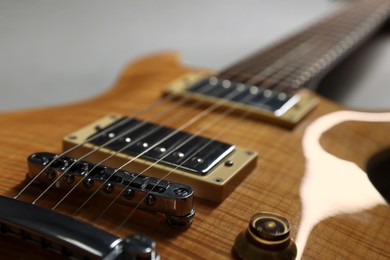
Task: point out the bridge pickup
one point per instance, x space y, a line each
212 168
282 107
67 236
193 152
172 199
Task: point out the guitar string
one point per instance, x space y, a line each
97 148
123 189
74 163
190 156
302 63
332 56
188 123
170 97
213 107
235 122
216 105
345 26
350 41
383 11
220 117
335 53
134 142
90 139
243 116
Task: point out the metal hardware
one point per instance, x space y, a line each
198 162
199 174
67 236
284 108
159 195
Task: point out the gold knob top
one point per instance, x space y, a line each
267 237
269 229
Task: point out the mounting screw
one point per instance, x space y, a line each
88 182
128 194
219 180
150 200
108 188
229 163
68 178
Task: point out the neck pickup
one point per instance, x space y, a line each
283 106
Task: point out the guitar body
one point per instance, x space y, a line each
273 186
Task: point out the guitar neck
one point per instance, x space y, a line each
301 60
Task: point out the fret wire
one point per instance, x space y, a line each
304 36
329 56
267 55
290 57
335 30
290 60
327 46
276 81
281 47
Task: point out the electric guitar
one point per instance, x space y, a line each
186 159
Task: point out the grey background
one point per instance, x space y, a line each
54 52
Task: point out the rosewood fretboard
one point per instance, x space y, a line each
301 60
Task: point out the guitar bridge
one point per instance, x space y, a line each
175 200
